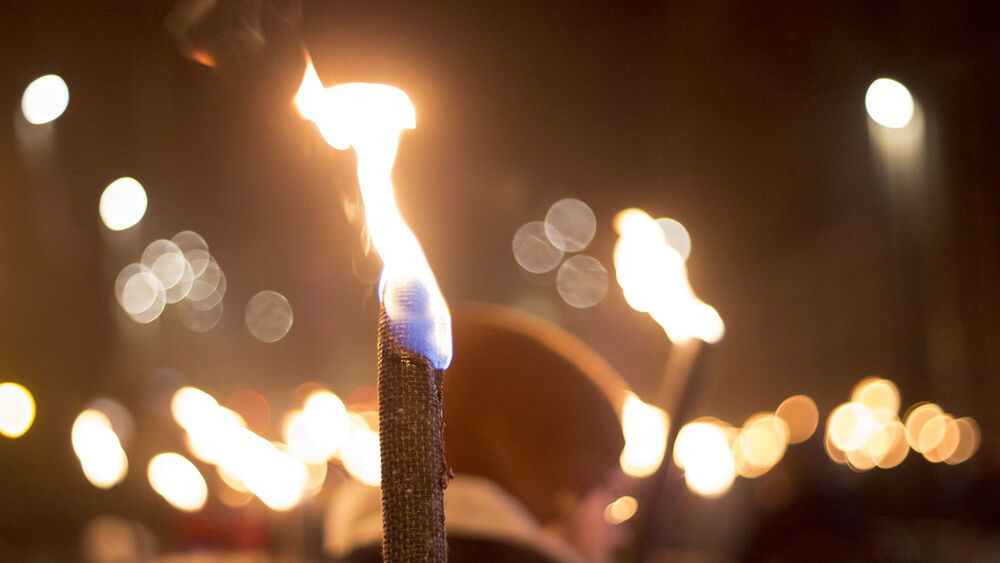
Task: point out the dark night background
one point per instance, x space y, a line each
745 121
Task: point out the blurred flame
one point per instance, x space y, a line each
98 449
654 280
645 429
178 481
370 118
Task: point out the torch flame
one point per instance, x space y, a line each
654 280
370 118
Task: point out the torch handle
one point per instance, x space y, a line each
411 432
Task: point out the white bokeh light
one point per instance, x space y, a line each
532 249
268 316
123 204
45 99
582 281
889 103
570 225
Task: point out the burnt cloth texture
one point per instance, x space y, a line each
414 473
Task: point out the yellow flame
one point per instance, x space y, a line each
370 118
654 280
645 429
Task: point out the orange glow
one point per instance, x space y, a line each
620 510
645 429
370 118
801 415
17 410
654 280
203 57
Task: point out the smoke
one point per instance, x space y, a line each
217 33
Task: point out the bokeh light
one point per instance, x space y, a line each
761 444
199 320
877 394
801 415
888 446
326 421
919 416
45 99
141 293
850 425
177 271
939 438
532 249
676 236
361 454
889 103
118 415
268 316
582 281
219 436
570 225
123 204
621 510
178 481
702 451
968 441
97 447
645 429
17 409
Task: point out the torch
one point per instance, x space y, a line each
654 280
414 334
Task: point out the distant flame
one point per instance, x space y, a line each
654 280
370 118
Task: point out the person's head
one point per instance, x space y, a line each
534 409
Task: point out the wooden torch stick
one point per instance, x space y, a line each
411 433
676 394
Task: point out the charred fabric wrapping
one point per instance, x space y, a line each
411 432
